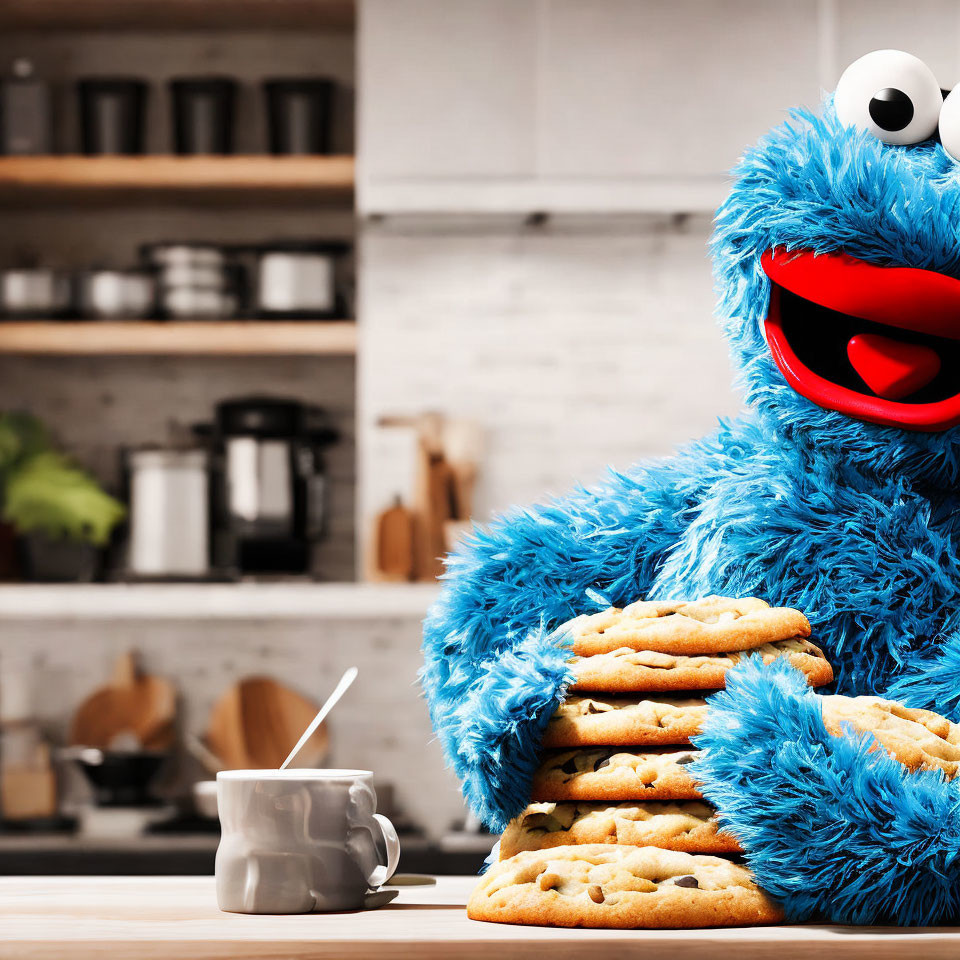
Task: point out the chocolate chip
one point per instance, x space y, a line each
691 882
686 758
595 892
570 766
600 764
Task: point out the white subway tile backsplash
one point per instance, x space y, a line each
586 343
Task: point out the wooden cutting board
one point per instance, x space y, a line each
134 704
394 546
257 722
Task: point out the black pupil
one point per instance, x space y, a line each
891 109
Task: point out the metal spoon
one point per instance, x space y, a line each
340 690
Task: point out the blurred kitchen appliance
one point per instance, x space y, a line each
30 292
297 280
123 803
116 294
112 115
28 784
169 514
26 122
120 737
120 778
205 799
269 483
299 114
203 114
195 281
28 787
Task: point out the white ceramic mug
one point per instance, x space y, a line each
296 841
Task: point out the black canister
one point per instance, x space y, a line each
299 114
26 124
203 114
112 115
269 483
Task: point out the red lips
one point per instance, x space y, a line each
893 362
905 297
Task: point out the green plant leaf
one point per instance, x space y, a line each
46 493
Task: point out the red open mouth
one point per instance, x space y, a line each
880 344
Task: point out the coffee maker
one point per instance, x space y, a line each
268 483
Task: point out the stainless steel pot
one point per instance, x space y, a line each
34 292
195 281
197 303
297 280
109 294
166 255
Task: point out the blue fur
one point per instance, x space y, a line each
846 832
856 524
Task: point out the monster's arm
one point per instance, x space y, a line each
832 827
493 672
930 678
927 673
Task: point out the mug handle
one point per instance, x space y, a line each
381 874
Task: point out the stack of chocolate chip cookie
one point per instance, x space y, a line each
614 775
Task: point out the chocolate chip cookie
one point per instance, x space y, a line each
626 670
614 774
688 826
919 739
643 720
710 625
602 885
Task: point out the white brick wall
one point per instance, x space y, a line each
577 345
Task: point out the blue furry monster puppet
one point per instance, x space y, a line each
837 258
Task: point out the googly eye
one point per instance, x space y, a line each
892 95
950 123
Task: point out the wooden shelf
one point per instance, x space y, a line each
206 180
216 601
178 337
172 14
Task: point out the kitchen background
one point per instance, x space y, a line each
507 290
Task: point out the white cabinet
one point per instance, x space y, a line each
572 105
447 88
926 28
672 89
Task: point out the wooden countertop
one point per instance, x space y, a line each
51 918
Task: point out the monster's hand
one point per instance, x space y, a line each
493 668
931 679
493 734
831 827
